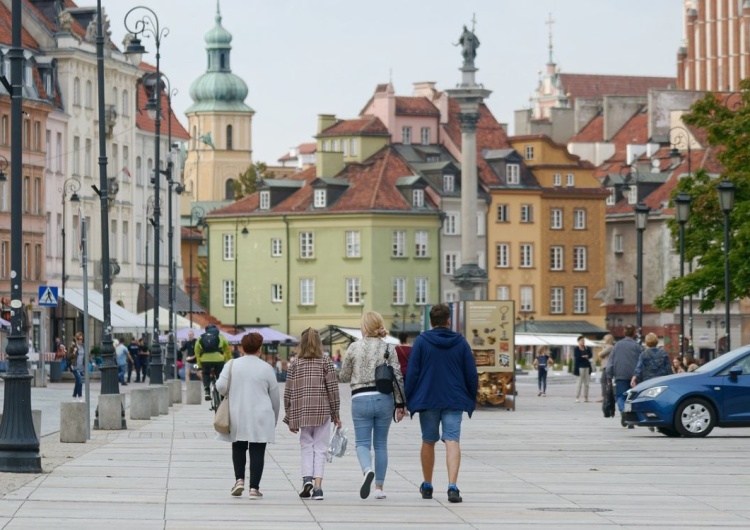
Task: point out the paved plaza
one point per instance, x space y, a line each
551 463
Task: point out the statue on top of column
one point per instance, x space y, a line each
469 44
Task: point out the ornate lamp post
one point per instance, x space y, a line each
525 317
726 201
71 185
245 232
196 219
641 219
148 25
683 213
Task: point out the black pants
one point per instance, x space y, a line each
257 461
206 369
542 379
142 369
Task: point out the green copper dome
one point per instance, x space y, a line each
218 89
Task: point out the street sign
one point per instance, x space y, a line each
48 295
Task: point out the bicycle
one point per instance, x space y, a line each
216 398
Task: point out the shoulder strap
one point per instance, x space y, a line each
228 366
387 353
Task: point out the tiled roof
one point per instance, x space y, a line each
592 132
308 148
369 125
145 123
27 41
635 131
415 106
597 86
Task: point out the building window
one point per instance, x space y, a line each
276 248
76 92
125 110
353 244
265 200
138 244
514 173
4 259
399 244
452 224
556 219
87 158
421 288
306 245
76 237
48 150
26 262
228 246
450 296
345 146
425 136
579 300
579 258
556 302
527 255
37 199
618 245
570 181
76 156
610 201
502 292
633 195
228 292
529 152
326 145
557 180
307 291
335 146
420 244
277 295
37 136
502 259
450 263
113 239
417 198
556 258
4 129
619 290
449 183
399 291
59 163
319 199
37 262
406 133
502 213
353 291
481 224
89 96
527 299
527 213
354 147
138 171
579 219
125 254
26 194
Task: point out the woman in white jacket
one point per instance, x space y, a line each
253 412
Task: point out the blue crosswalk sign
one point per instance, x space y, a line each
48 295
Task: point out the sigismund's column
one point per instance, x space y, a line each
470 278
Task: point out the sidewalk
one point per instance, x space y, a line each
550 464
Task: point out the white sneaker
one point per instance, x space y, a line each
379 494
578 400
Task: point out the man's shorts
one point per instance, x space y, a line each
430 421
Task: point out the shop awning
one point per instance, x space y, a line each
122 319
550 339
336 334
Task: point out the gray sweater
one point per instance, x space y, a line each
623 359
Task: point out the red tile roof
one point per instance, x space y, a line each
307 148
635 131
145 123
368 125
592 132
27 41
415 106
596 86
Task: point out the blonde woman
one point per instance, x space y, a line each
371 410
311 402
609 343
542 363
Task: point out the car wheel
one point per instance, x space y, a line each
695 418
668 432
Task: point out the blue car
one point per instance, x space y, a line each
691 404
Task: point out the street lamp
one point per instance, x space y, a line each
71 185
396 316
245 232
3 167
525 317
726 201
148 25
641 218
197 215
683 213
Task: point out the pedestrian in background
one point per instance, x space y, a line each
609 342
143 360
542 364
311 403
621 365
653 362
133 360
403 350
78 366
121 358
582 368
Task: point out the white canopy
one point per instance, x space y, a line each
182 322
122 319
551 339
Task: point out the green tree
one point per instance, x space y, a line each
726 122
203 292
248 180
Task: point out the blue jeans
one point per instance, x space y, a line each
621 386
372 419
121 371
78 387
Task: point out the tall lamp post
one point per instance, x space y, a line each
726 201
245 232
196 219
148 25
71 185
641 219
525 317
683 213
19 444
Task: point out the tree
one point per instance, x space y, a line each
726 121
248 180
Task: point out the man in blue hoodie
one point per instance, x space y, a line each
441 384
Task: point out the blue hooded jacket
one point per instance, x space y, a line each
442 373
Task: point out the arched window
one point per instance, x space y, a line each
150 169
125 111
229 190
229 137
221 61
77 92
89 96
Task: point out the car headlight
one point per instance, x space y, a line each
652 392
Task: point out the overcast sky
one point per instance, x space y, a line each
301 58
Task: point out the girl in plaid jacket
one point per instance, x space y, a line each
311 403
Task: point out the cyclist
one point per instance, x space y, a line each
211 352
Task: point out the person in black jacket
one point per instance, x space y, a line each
582 368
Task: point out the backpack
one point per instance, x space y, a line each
384 375
210 343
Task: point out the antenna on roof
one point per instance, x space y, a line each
549 23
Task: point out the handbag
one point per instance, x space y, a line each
337 445
384 375
221 419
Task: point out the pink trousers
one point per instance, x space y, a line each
313 446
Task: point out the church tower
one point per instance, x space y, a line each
219 122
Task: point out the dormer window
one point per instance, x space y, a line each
611 197
319 199
449 183
633 195
571 180
265 200
417 198
514 174
326 145
557 180
425 136
406 133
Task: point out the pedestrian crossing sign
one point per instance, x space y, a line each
48 295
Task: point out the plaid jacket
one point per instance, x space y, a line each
311 394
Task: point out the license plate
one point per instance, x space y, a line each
626 408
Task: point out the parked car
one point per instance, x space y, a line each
691 404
